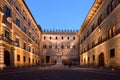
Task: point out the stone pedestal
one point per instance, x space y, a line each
59 59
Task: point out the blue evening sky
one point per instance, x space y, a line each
60 14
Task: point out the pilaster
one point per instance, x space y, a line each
2 65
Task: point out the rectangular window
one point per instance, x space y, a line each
24 45
112 52
18 57
29 48
7 11
17 22
29 60
88 59
93 57
44 46
24 59
7 34
24 29
50 46
17 42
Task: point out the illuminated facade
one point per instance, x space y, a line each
99 35
19 35
63 43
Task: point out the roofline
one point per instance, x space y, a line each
39 27
90 14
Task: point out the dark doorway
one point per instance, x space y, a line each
47 59
101 59
6 58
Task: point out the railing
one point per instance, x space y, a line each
7 40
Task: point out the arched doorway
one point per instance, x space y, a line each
6 58
101 59
47 59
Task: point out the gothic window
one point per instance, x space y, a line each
111 32
100 40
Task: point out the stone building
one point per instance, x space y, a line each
19 35
59 43
99 35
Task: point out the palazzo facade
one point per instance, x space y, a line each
63 43
100 35
19 35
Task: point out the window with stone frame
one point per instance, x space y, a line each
7 11
18 57
93 57
7 34
17 42
24 59
17 22
24 29
29 48
24 45
100 39
112 52
44 46
50 46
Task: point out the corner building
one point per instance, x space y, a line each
59 43
19 35
99 35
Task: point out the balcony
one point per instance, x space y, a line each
8 40
7 21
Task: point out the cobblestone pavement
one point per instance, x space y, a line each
50 73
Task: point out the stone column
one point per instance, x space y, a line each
2 65
1 18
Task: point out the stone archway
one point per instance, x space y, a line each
101 59
6 58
